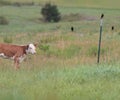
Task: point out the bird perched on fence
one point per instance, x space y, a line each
112 28
72 28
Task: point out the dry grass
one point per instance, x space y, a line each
70 48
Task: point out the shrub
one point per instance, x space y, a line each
3 2
92 51
50 13
3 20
44 47
118 33
17 4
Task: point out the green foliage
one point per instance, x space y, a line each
3 20
48 39
19 4
8 39
93 50
67 52
71 51
118 33
50 13
44 47
3 2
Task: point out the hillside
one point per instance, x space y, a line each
77 3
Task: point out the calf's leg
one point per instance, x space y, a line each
16 63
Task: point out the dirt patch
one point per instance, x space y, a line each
69 17
78 17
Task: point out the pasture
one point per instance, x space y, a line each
64 67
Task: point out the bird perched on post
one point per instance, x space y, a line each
102 16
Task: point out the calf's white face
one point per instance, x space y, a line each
31 49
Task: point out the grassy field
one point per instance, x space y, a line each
64 67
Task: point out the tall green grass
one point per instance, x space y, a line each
85 82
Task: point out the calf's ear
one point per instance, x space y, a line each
27 46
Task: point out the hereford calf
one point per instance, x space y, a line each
16 52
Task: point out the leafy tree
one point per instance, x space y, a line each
50 13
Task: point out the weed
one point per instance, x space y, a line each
8 39
93 50
3 20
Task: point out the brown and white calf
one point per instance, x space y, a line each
16 52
